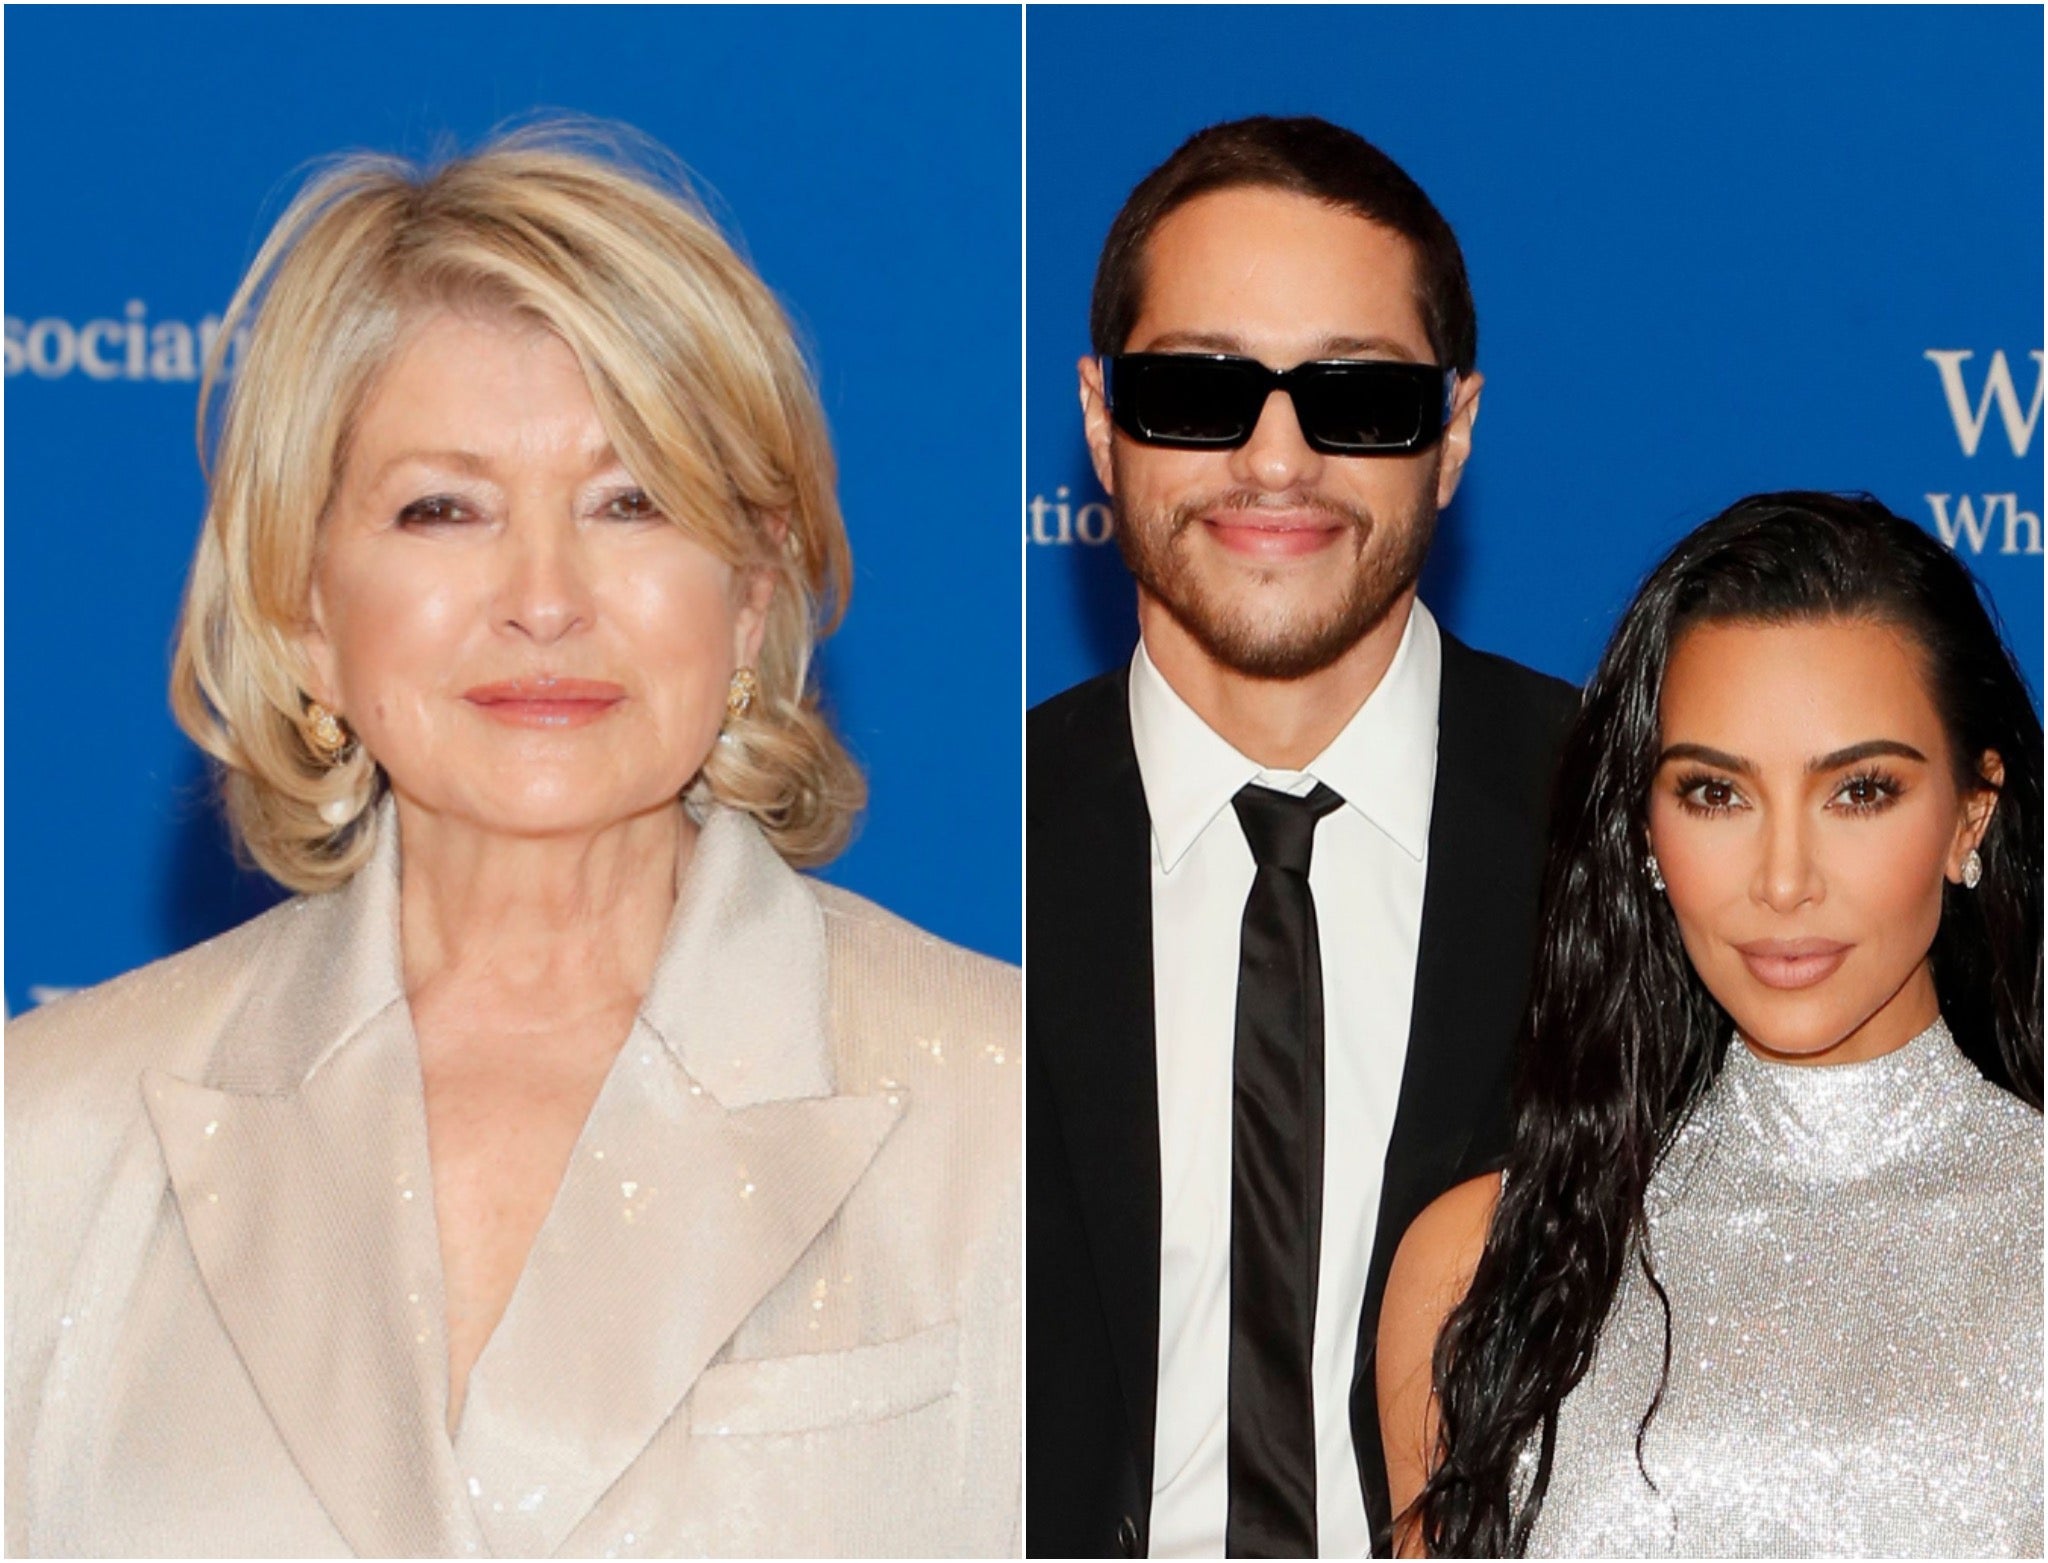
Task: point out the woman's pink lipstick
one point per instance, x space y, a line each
546 701
1793 963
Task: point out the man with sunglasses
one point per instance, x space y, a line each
1283 867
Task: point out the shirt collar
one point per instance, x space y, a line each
1383 762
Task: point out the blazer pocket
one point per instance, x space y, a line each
828 1388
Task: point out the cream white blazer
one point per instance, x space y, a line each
774 1308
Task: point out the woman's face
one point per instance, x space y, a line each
1805 813
506 622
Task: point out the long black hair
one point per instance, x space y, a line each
1621 1037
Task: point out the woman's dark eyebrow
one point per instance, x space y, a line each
1706 756
1869 749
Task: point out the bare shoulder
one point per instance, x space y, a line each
1434 1262
1432 1269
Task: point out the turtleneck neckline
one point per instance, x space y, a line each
1835 1122
1913 1053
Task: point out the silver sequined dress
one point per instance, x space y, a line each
1853 1258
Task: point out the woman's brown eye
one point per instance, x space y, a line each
433 509
1867 792
1707 794
634 505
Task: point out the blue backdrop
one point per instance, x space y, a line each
1714 251
868 159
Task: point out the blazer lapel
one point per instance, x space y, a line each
1095 1019
300 1172
1468 929
716 1153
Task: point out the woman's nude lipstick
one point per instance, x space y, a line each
1793 963
546 701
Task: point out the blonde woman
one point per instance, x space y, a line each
562 1171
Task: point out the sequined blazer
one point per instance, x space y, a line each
774 1308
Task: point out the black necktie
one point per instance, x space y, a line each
1276 1184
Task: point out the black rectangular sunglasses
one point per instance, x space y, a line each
1345 406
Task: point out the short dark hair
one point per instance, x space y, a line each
1310 157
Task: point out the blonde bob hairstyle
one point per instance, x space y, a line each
695 373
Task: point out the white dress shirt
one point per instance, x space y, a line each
1367 876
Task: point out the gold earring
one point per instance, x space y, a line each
325 734
741 693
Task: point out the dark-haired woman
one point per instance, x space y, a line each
1763 1273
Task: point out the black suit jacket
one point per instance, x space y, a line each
1092 1128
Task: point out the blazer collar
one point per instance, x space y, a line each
714 1155
331 966
738 994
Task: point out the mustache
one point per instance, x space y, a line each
1188 512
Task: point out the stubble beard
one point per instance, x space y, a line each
1155 547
